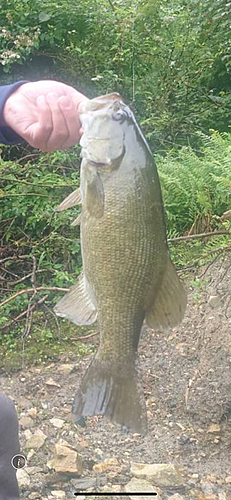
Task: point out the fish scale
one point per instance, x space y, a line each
127 272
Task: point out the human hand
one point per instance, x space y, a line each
45 114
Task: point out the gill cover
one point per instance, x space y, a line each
103 137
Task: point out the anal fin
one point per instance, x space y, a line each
77 305
170 302
72 200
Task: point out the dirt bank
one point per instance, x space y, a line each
187 382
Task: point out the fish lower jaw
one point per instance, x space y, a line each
95 161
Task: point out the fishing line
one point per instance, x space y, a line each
133 59
134 14
133 53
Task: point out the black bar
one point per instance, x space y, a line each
111 494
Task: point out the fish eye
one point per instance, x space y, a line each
119 116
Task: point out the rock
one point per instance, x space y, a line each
58 494
51 383
84 443
140 486
30 455
44 405
194 493
211 478
23 478
222 496
228 479
99 454
37 440
66 410
207 488
158 474
184 438
214 429
34 496
32 412
84 484
66 369
57 422
24 403
116 488
108 464
214 301
66 459
28 434
34 470
26 422
176 496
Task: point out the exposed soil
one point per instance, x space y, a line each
187 382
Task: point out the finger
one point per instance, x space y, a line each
60 132
39 131
69 109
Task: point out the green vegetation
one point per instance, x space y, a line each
172 58
196 185
172 61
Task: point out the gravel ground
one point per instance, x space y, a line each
187 383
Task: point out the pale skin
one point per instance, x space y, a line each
45 114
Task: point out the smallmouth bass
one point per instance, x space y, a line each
127 276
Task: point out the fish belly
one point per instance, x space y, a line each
124 257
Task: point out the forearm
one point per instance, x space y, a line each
7 134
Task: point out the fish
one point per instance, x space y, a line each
127 276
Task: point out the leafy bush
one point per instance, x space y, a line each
197 186
38 246
172 60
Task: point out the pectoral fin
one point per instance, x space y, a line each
170 303
71 201
77 305
94 195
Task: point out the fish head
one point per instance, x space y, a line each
103 137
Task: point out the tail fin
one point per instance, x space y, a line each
114 391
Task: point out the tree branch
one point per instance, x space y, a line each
197 236
31 290
83 337
24 278
21 315
226 216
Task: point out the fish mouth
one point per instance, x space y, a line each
102 141
109 106
100 102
